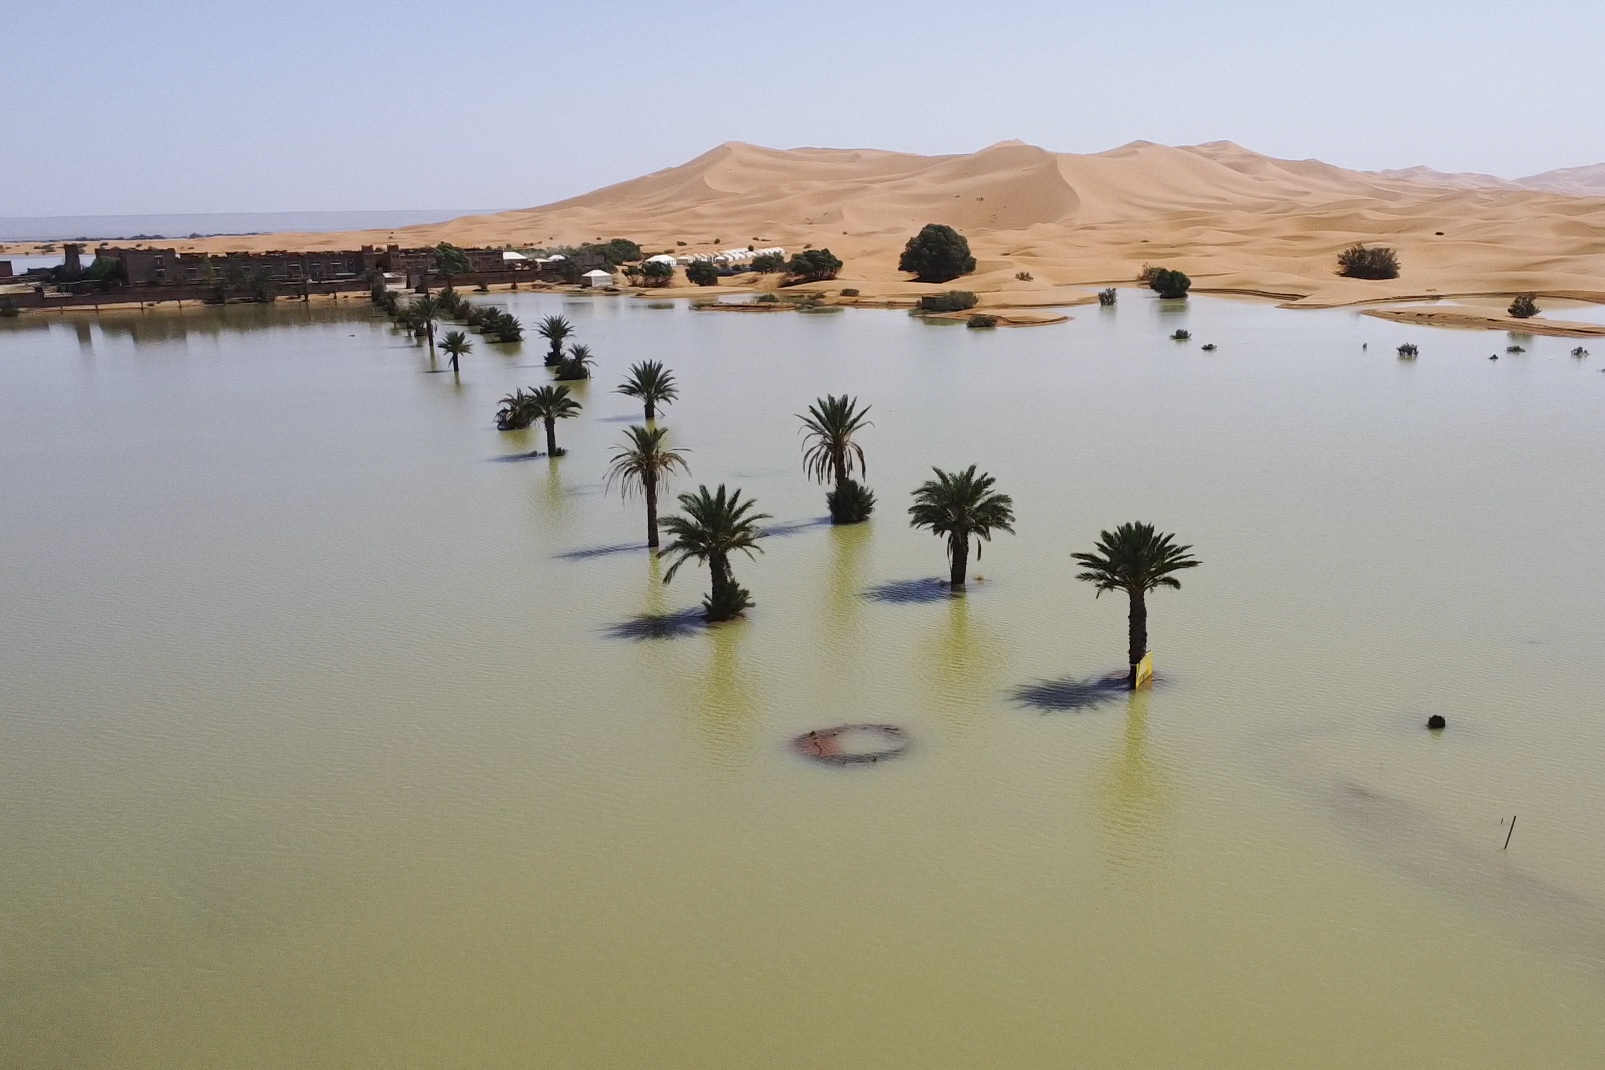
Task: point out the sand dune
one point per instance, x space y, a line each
1231 218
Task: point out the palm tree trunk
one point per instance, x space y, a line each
650 485
551 437
429 333
651 412
958 552
719 567
1139 634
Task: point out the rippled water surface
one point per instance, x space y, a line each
331 736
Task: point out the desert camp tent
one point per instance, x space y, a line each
597 278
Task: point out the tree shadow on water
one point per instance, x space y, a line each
586 553
795 527
675 625
1069 694
910 592
509 458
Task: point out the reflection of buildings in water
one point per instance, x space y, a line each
1134 793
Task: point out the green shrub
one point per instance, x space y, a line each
813 265
937 253
852 503
769 263
1514 349
657 273
1359 262
849 293
768 299
1181 336
980 320
702 272
450 260
1409 351
1525 306
727 604
952 301
1169 284
1579 352
1106 298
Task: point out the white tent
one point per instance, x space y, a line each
661 258
597 278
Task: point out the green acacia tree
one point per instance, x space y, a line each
711 528
830 452
959 505
450 260
702 273
1135 558
650 383
550 404
938 253
644 463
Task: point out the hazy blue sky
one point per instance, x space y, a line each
345 104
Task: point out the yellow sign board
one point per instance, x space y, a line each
1145 670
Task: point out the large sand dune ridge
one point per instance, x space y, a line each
1231 218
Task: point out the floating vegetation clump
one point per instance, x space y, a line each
1409 351
1208 347
1514 349
1106 298
1579 352
1181 336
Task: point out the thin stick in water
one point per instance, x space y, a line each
1512 831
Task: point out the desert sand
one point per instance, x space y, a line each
1234 220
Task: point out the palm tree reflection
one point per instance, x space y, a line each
1134 794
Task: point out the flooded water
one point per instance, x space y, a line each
332 735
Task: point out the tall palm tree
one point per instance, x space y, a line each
555 329
650 381
645 463
830 453
427 310
959 505
713 527
550 404
455 344
1136 559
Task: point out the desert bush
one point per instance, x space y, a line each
849 293
657 273
1579 352
951 301
1360 262
1146 275
702 272
1208 347
1023 276
937 253
769 263
1409 351
1169 284
1514 349
980 320
768 299
814 265
1181 335
1525 306
850 503
1106 298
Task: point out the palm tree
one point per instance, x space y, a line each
427 309
550 404
712 528
644 462
455 344
651 382
577 365
1136 559
555 329
514 414
958 505
830 453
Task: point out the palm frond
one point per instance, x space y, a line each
1135 558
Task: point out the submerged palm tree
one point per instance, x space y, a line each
550 404
577 365
514 414
426 310
831 451
713 527
1136 559
645 463
958 505
455 344
555 329
652 383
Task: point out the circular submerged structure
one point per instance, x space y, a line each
852 744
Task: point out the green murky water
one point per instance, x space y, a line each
325 742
